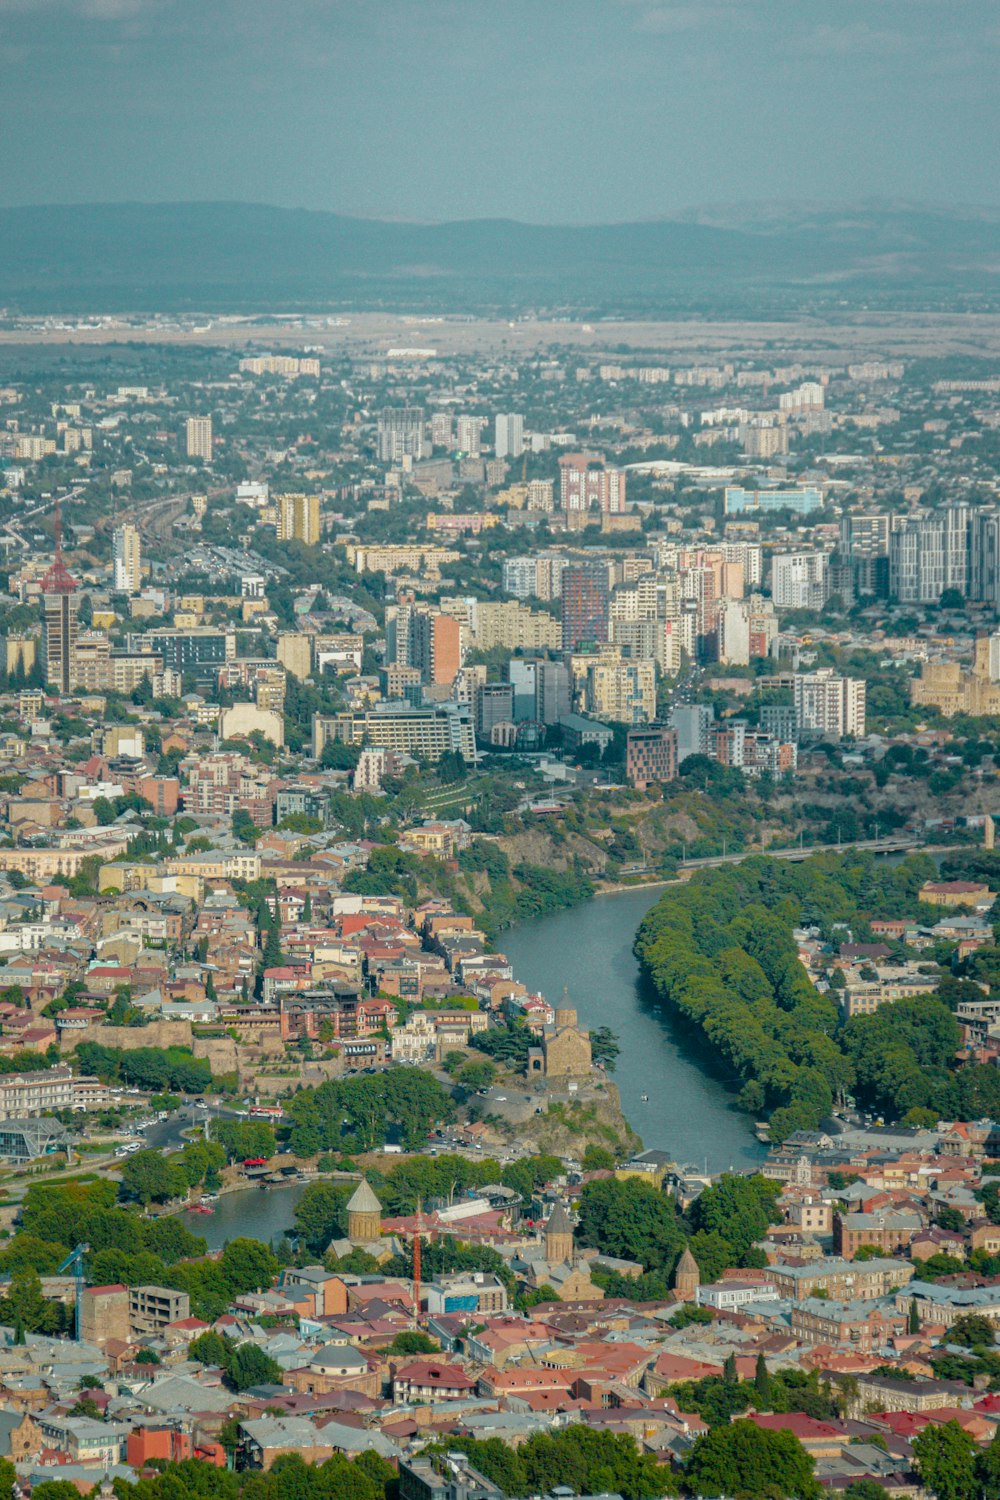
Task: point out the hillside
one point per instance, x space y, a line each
134 256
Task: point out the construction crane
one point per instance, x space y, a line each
74 1263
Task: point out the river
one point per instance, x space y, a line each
588 950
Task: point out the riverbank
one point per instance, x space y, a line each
668 1096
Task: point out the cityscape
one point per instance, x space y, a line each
499 755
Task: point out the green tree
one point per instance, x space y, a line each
752 1462
148 1177
248 1265
945 1456
973 1330
247 1365
631 1219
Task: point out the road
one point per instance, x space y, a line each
900 844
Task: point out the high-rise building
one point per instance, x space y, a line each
59 613
929 554
442 429
509 435
799 580
494 705
127 556
584 606
298 518
469 434
401 434
198 432
426 639
984 557
693 725
585 483
827 705
295 653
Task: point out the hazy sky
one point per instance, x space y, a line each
551 110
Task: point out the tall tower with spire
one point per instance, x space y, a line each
59 609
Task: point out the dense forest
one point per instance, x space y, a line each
721 954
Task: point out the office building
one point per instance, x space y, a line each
509 435
198 434
650 756
298 518
739 501
585 605
199 651
400 434
692 723
126 552
828 706
929 554
799 580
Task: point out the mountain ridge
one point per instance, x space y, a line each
137 256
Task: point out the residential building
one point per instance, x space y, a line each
623 691
929 554
585 483
692 723
400 434
584 606
127 559
298 518
59 619
468 435
509 435
828 705
198 437
799 580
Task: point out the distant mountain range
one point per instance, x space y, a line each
240 256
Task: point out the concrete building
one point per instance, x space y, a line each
509 435
623 691
692 723
929 554
585 611
127 559
828 706
400 434
650 756
295 653
425 733
198 438
799 580
298 518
